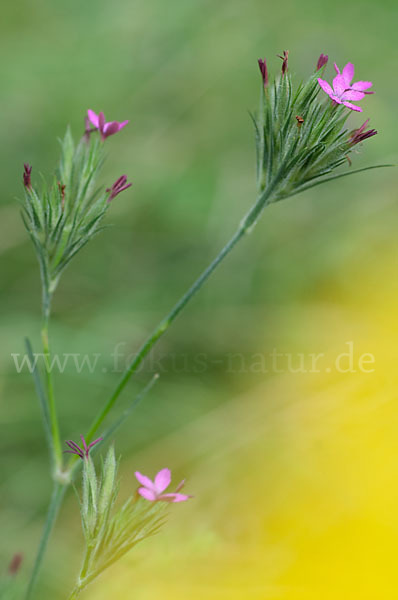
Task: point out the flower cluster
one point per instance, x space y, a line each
110 531
300 138
64 215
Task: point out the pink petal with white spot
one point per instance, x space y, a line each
162 480
352 106
144 480
147 494
348 73
93 117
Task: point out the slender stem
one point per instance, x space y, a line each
55 445
55 434
55 503
245 226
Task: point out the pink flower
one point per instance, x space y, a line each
105 129
343 90
153 490
119 186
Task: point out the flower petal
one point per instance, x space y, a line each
144 480
336 69
352 106
101 121
174 497
325 86
363 126
339 85
348 73
147 494
361 85
352 95
110 128
93 117
162 480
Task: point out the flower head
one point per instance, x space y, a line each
119 186
263 70
27 170
81 452
105 129
359 135
153 490
285 59
343 90
322 61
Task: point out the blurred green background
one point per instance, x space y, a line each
319 270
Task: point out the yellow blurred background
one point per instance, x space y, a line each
294 473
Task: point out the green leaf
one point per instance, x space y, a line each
311 185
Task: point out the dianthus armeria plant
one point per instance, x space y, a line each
302 140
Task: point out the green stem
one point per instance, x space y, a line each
245 226
55 503
55 434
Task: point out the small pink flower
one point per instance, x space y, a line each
343 90
153 490
105 129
